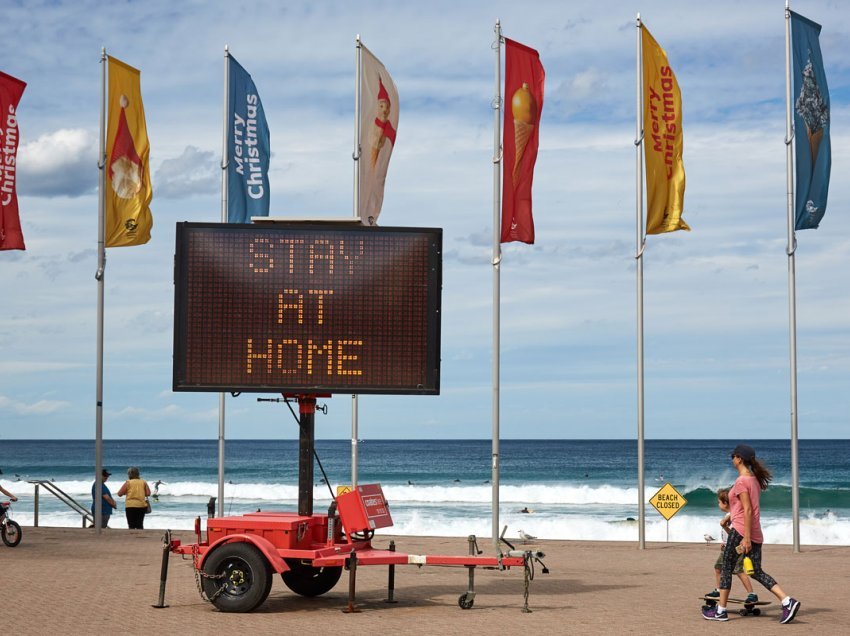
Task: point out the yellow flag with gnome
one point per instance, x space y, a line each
128 182
662 125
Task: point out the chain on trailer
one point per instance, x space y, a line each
200 574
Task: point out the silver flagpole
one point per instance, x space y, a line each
224 162
97 501
639 247
356 157
792 284
497 258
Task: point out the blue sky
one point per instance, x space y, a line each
716 299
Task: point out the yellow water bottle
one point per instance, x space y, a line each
749 570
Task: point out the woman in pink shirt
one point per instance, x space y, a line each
745 535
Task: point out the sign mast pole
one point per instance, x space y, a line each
224 162
356 156
639 247
101 270
497 258
792 284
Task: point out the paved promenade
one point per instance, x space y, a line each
69 581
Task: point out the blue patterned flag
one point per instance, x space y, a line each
811 124
247 148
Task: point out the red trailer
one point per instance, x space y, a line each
237 560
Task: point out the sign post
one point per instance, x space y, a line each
668 501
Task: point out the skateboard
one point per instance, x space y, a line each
749 608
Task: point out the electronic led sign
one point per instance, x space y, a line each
303 308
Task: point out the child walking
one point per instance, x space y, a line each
753 477
725 525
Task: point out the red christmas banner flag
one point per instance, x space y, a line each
11 236
524 78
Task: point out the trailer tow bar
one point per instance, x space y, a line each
163 575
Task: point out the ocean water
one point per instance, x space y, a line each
576 489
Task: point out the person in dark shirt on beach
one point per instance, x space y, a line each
745 535
107 503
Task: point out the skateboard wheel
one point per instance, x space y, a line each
743 612
756 612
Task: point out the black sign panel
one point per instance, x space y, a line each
289 307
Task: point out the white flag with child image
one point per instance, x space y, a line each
378 126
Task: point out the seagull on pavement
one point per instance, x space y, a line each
708 538
525 536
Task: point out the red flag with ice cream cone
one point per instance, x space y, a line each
524 78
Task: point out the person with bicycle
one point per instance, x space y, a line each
10 531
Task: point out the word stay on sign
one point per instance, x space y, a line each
668 501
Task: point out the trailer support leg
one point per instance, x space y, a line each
391 578
473 549
527 570
163 574
352 582
467 599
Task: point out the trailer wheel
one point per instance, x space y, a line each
306 580
464 601
246 578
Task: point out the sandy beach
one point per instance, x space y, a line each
64 580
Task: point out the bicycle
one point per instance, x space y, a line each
10 531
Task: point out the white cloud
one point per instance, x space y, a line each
61 163
41 407
169 413
195 171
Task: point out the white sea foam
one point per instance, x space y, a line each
562 511
440 521
530 494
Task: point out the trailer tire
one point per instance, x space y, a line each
306 580
247 577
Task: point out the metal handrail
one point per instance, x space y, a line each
62 496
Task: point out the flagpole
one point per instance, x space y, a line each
792 283
639 247
224 164
497 258
101 269
356 157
